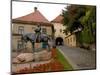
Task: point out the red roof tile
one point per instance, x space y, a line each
36 17
58 19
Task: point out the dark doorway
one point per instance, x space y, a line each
59 41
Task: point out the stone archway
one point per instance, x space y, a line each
59 41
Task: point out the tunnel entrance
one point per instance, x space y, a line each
59 41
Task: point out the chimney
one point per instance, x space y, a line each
35 8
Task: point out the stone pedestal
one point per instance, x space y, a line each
23 57
43 55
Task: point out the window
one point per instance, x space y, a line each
68 41
71 39
44 30
60 30
20 29
20 44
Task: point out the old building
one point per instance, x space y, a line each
70 40
60 37
58 29
27 24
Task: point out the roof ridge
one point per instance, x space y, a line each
43 15
35 16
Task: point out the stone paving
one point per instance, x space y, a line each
79 58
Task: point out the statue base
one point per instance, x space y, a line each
29 60
42 55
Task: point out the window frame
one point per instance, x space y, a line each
44 30
20 44
60 30
20 29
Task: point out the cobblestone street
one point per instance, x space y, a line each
79 58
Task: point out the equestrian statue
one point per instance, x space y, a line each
37 37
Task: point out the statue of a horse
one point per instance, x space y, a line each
36 38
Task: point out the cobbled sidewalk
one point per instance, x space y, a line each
79 58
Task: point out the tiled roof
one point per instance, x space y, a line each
34 17
58 19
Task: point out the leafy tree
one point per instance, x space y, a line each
71 16
80 16
89 22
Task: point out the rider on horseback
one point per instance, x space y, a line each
38 33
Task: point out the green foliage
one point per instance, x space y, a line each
86 36
71 16
76 15
89 22
94 25
63 61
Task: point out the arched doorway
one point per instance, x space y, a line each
59 41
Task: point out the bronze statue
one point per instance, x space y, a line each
37 37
